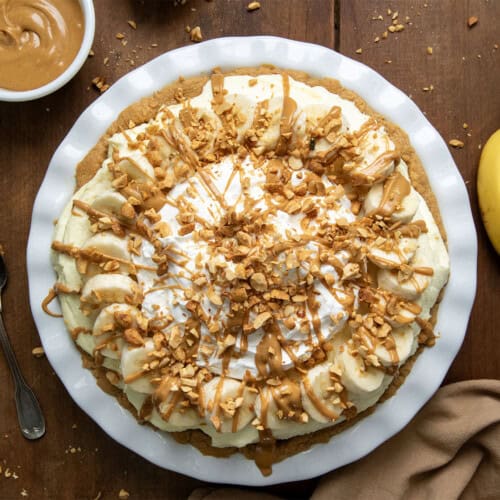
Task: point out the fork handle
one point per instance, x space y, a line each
29 413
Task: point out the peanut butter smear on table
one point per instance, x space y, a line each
39 39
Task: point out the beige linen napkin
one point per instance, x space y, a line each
450 450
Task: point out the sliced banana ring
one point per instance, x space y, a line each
398 347
409 205
104 289
410 289
143 172
319 397
228 407
276 414
110 202
393 259
357 378
133 366
110 245
115 318
171 411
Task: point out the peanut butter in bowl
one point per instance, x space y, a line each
39 42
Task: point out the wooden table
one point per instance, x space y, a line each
455 85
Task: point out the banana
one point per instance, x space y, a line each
323 405
110 202
178 421
409 205
405 340
132 364
410 289
488 188
227 394
107 322
110 245
393 259
358 379
104 289
179 416
107 325
143 172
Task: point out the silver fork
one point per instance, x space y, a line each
29 414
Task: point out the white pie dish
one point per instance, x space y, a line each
430 368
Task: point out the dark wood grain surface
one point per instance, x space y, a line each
76 459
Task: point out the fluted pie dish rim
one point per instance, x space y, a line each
388 417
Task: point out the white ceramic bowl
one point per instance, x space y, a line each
70 71
430 368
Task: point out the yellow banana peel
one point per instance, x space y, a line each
488 188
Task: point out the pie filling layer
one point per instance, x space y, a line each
253 262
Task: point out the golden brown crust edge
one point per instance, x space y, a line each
147 108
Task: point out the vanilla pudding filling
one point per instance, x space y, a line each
254 262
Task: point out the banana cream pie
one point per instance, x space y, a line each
253 262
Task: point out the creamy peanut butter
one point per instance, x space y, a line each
38 40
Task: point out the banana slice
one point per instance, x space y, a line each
170 409
410 289
358 379
110 245
132 366
319 398
404 344
393 259
234 408
409 205
104 289
141 173
110 202
278 407
115 318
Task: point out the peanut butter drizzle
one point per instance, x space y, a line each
287 117
314 306
373 171
186 117
265 451
162 393
268 353
217 83
47 300
146 408
39 39
288 398
95 256
396 188
264 407
326 412
390 345
239 394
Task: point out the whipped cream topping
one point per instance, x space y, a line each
252 262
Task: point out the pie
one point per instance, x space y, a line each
251 259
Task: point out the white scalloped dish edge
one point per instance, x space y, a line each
446 182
